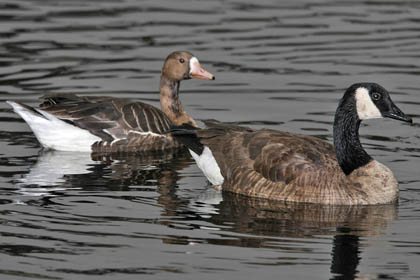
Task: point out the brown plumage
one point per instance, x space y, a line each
281 165
121 125
294 167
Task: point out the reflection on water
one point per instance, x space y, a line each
280 64
259 223
270 219
302 220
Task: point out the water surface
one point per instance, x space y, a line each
279 64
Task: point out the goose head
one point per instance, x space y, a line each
373 101
360 102
183 65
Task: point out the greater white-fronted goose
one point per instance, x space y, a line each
68 122
293 167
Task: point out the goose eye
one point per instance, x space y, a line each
181 60
376 96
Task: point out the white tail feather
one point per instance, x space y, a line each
54 133
207 163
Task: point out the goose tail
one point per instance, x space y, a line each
52 132
203 156
187 135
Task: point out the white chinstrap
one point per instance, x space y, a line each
365 107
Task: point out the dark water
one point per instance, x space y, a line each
279 64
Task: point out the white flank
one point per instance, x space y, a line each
54 133
365 107
207 163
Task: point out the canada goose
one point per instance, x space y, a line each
68 122
293 167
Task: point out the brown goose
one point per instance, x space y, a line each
300 168
106 124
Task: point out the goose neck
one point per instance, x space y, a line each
171 104
349 151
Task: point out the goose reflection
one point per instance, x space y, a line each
260 222
49 171
57 170
269 219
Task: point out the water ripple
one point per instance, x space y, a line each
279 64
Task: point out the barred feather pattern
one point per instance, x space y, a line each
123 125
137 143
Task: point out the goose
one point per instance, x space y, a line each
98 124
300 168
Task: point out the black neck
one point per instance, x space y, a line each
350 153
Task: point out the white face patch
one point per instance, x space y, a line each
194 64
365 107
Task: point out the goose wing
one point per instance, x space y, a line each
287 157
109 118
276 156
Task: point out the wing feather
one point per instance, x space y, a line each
277 156
106 117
